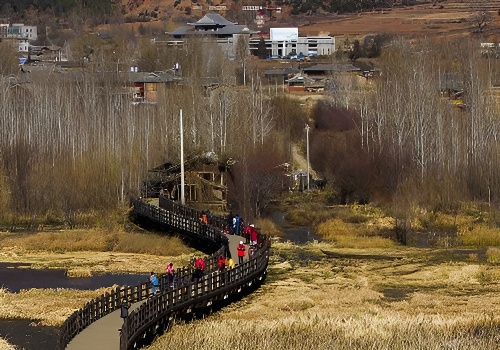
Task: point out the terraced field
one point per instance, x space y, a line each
446 18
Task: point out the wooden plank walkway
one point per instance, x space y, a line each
104 333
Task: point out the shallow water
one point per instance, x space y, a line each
28 335
295 234
15 277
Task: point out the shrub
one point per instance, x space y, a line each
493 255
480 235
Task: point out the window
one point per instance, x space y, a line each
151 86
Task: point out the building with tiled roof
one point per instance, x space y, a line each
212 24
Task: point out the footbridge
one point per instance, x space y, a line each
104 323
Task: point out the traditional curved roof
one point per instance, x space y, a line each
212 19
212 24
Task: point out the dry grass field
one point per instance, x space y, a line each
374 294
87 252
443 19
426 19
82 253
422 299
4 345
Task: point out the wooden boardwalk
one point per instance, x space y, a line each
104 334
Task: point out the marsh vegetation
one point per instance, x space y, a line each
428 298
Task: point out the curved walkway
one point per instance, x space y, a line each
104 334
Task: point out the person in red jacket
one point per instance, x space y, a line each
221 262
241 252
253 235
199 266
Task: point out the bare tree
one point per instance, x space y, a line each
480 20
9 63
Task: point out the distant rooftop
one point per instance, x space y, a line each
212 19
151 77
212 24
343 67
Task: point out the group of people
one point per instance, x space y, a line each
235 226
224 263
155 282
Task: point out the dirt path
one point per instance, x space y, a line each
300 162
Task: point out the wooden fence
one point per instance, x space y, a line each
186 295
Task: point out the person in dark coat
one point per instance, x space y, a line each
236 225
230 219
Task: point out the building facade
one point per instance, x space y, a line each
281 42
20 34
307 46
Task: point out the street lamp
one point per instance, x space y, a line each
307 152
183 198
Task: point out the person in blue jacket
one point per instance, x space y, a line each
236 225
155 284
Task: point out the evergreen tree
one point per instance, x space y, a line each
261 49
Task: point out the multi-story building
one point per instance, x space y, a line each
20 34
280 43
307 46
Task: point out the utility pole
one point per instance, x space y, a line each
183 199
307 151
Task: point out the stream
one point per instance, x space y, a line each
15 276
294 234
28 334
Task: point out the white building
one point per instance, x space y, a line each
281 42
21 33
286 42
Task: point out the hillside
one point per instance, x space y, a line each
444 18
314 17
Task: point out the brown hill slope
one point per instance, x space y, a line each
444 18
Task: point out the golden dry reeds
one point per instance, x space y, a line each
50 307
349 235
310 301
268 227
493 255
95 240
479 235
312 332
84 253
4 345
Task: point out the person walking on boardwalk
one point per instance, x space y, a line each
253 234
246 233
170 274
229 263
155 284
230 219
221 265
199 266
241 252
204 218
236 225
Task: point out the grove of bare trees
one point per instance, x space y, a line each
72 144
406 140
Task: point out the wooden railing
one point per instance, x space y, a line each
186 294
157 312
214 221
